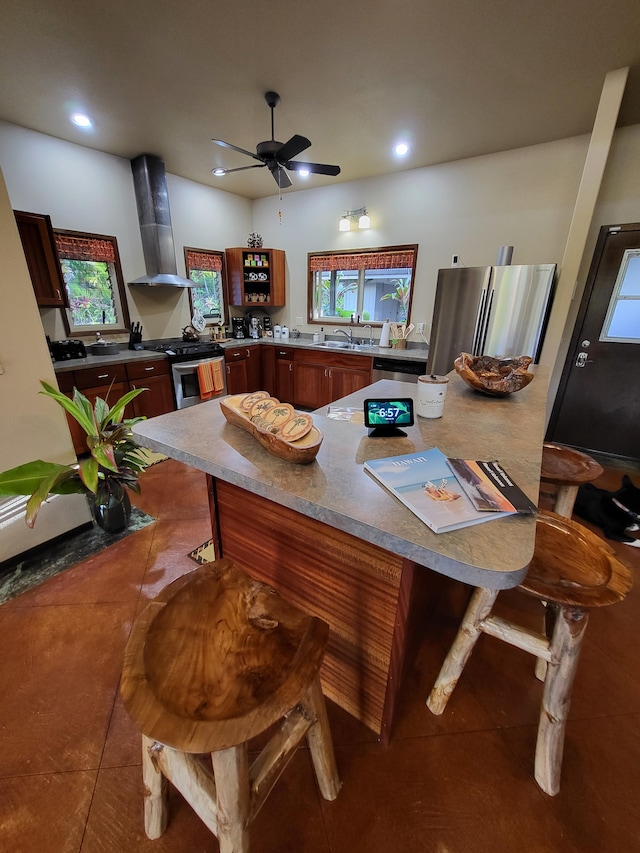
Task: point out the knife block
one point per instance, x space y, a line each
135 340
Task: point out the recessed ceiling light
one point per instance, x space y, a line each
81 120
218 172
401 149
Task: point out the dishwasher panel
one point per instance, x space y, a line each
399 369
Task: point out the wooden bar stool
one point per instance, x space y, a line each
216 659
568 469
572 570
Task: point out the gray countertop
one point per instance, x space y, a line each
336 490
416 353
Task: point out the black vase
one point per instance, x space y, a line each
111 508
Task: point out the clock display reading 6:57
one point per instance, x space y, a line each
390 412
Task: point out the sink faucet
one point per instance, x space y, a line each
368 326
349 334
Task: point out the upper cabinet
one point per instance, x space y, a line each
36 234
256 277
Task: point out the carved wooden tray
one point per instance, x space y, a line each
302 451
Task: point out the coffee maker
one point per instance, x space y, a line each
238 327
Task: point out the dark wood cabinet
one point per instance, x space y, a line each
236 370
243 366
256 277
284 374
112 381
36 234
154 376
321 377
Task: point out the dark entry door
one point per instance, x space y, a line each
598 403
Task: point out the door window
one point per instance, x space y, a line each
622 321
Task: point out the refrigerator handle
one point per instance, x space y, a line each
477 331
485 326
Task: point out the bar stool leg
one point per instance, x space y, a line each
479 608
549 621
569 630
565 499
155 791
233 798
321 744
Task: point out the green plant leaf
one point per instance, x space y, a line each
116 412
89 473
76 411
26 479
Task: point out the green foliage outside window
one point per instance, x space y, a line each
90 292
206 296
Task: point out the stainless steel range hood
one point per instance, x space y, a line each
152 199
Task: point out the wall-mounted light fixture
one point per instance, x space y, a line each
350 216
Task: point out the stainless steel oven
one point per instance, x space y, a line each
186 385
185 359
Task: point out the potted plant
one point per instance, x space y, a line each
113 463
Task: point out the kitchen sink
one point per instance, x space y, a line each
337 345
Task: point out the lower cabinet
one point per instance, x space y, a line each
243 367
111 382
155 377
322 377
285 391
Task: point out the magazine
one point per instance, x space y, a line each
489 487
426 484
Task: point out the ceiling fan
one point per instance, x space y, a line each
276 156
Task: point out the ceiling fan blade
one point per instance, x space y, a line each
294 146
235 148
314 168
242 168
280 176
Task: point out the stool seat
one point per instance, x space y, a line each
223 651
568 469
572 571
573 567
565 465
216 659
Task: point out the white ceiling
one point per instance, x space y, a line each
456 78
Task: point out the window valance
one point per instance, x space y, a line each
362 261
85 248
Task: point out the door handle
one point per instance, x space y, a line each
582 360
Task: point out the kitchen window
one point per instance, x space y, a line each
205 268
373 285
93 282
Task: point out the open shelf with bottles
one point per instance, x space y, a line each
256 277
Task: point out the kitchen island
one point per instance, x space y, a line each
336 543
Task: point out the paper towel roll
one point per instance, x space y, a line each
385 334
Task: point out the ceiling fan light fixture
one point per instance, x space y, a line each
218 172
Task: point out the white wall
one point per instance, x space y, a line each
522 198
32 426
86 190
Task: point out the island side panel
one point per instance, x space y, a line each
354 586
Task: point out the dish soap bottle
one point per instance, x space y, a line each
385 334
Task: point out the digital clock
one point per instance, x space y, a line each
383 416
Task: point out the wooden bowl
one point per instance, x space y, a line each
302 451
497 377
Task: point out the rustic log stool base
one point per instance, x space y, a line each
568 469
216 659
572 570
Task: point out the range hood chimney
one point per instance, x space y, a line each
152 200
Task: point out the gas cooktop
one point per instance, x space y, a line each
184 350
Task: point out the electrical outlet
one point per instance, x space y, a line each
298 321
421 328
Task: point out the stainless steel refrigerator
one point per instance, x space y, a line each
497 311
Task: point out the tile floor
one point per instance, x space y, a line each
70 763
